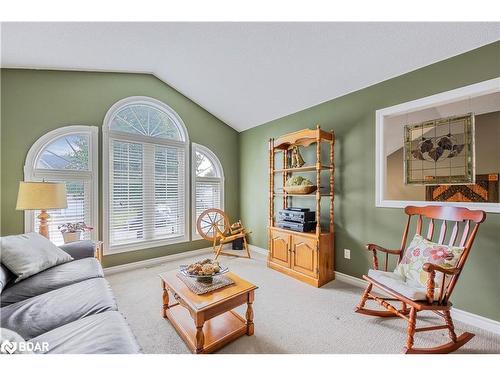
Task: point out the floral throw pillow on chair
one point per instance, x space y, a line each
423 251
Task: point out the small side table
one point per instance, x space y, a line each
207 322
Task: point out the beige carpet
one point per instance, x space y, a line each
290 316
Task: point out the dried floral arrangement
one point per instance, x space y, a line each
74 227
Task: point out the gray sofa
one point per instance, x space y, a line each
71 307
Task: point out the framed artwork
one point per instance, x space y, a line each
484 190
440 151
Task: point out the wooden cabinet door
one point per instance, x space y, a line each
305 255
280 248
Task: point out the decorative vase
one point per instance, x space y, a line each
71 236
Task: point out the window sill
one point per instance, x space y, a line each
196 237
144 245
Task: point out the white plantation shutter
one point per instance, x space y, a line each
147 192
67 154
169 192
146 173
208 195
127 206
208 182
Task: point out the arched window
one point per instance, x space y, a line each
67 154
208 182
145 175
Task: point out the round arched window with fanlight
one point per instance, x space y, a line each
145 175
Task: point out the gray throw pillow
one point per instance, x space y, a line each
5 275
28 254
12 343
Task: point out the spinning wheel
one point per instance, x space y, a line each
213 225
211 222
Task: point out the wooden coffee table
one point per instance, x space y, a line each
206 322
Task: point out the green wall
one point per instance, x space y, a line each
357 221
34 102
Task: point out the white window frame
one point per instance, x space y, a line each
109 136
31 173
195 147
463 93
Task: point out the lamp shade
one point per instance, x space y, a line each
41 195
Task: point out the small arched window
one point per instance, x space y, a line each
208 182
145 175
67 154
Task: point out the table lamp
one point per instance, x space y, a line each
41 196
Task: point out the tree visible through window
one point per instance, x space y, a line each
66 153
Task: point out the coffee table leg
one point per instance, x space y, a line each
165 298
249 314
200 337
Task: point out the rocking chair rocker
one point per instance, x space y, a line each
440 304
213 225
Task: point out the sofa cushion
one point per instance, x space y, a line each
30 253
12 343
51 279
397 283
40 314
104 333
5 277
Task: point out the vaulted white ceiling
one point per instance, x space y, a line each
246 74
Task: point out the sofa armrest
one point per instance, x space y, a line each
80 249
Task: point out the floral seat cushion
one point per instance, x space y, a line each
423 251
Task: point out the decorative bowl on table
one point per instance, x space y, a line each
203 271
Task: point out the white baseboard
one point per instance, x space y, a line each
348 279
155 261
478 321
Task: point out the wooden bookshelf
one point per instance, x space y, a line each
306 256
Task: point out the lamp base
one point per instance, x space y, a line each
44 226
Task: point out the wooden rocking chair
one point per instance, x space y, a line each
460 220
213 225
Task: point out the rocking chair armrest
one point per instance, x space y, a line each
372 247
429 267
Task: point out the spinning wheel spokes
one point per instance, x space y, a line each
210 222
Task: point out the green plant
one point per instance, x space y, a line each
297 181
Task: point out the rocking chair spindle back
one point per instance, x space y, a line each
465 224
456 216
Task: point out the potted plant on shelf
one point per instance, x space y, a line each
299 185
72 232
